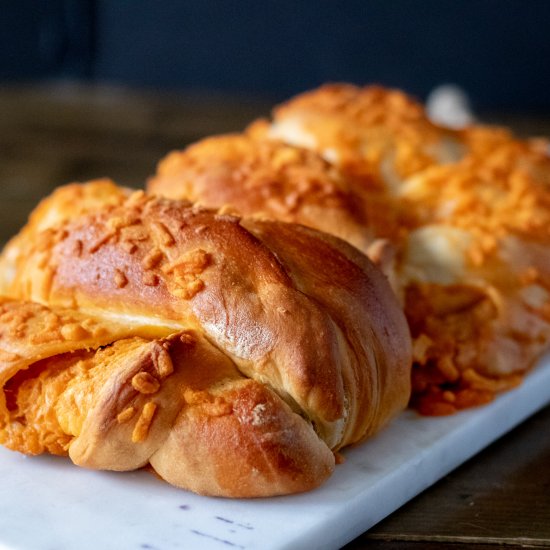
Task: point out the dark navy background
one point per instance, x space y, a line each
498 50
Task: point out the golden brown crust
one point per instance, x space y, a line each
264 177
500 152
272 450
467 212
378 134
69 201
353 302
292 345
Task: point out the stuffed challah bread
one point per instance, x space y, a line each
471 212
233 355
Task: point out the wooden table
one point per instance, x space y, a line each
54 134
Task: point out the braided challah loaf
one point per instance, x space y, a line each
236 356
457 219
473 213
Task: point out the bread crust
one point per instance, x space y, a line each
467 212
271 363
265 178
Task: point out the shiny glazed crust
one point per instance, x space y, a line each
266 178
233 355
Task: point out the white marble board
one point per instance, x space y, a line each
46 503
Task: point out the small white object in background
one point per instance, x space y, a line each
448 105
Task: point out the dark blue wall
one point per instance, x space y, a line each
499 50
40 39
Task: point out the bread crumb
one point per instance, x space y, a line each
258 414
125 415
144 382
152 259
74 332
141 429
120 278
150 279
163 363
162 234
